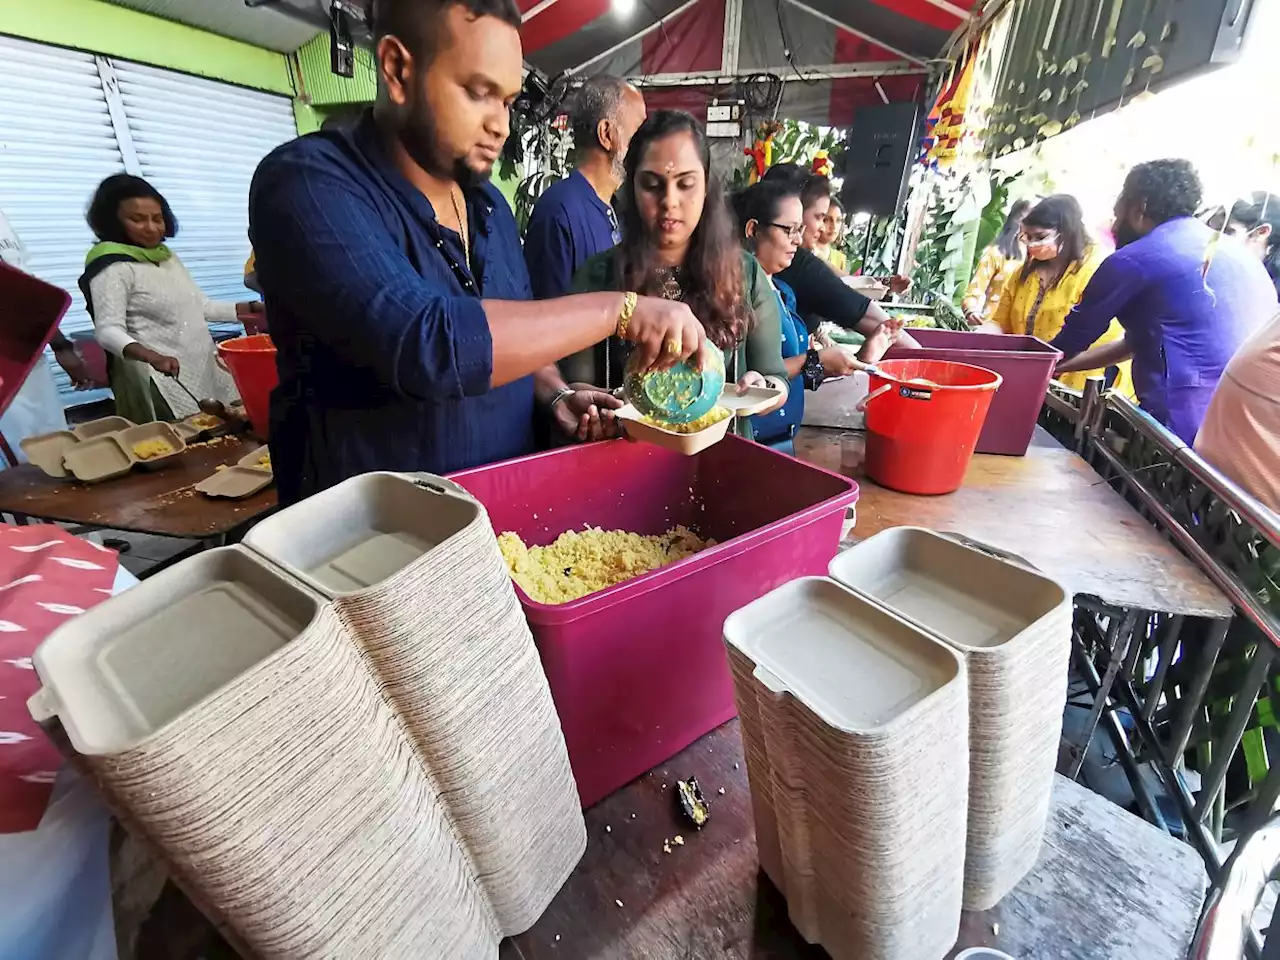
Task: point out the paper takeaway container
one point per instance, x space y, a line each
413 569
854 724
1013 626
233 725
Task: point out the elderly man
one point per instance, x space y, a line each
574 220
393 273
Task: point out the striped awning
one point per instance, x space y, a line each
834 55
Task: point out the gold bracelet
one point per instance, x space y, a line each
629 301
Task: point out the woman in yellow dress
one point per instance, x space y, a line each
1061 260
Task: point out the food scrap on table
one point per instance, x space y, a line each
153 449
692 803
205 421
581 562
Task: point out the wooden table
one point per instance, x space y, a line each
1049 507
1108 885
161 501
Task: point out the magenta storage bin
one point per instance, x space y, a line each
1026 365
638 671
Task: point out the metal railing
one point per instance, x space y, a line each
1194 701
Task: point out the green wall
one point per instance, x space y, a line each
320 87
104 28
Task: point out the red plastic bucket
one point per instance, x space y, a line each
251 361
923 421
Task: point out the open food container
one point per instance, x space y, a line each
101 427
682 441
638 670
854 727
152 445
48 451
1013 626
103 458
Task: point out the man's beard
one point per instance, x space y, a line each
618 165
419 138
1123 234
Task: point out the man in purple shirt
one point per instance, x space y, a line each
573 220
1185 301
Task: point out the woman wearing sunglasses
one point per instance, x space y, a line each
1061 259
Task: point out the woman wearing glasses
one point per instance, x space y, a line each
1061 259
771 221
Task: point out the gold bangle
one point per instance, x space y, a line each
629 301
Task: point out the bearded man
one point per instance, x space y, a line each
574 219
395 287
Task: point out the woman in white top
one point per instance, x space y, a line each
148 313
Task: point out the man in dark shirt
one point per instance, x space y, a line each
393 274
573 220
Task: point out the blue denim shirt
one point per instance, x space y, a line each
570 224
1182 325
385 355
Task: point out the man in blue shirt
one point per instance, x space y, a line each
393 275
574 220
1186 301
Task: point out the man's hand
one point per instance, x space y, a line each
665 332
69 359
588 413
253 314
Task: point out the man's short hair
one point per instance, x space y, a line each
1168 188
415 22
597 99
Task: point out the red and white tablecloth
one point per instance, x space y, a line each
47 576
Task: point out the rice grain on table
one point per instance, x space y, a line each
581 562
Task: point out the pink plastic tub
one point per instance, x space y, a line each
638 671
1025 363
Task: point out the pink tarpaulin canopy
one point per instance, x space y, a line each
834 55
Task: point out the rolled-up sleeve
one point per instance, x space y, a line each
326 254
1108 292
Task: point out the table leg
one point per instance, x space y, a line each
1119 635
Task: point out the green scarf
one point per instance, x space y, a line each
142 254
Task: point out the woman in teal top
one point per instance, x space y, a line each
678 242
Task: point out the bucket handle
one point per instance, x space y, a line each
217 358
922 393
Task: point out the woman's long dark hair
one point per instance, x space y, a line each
1060 212
104 209
1007 240
712 273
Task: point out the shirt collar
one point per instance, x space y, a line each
585 185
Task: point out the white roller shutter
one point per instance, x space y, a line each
56 145
198 142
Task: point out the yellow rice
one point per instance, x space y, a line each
695 426
581 562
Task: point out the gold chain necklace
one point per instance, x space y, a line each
462 226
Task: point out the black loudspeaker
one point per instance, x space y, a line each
877 159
